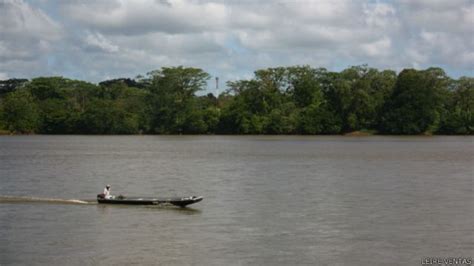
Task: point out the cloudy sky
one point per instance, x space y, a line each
98 40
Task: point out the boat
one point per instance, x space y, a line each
177 201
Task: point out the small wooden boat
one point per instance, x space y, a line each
181 202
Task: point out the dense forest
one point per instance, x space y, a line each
282 100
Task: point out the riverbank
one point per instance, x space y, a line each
361 133
5 132
348 134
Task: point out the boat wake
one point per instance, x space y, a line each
16 199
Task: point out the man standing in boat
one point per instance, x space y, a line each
106 193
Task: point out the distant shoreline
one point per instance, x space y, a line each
348 134
295 100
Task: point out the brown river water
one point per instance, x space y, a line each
268 200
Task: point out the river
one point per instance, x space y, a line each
268 200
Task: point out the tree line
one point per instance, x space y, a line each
281 100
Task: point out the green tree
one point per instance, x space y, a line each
358 94
319 119
235 117
43 88
304 85
315 115
133 102
106 117
280 100
57 117
20 112
459 116
10 85
173 91
416 103
61 103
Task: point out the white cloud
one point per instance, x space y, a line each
19 18
98 41
447 16
380 15
144 16
26 34
381 47
94 40
175 44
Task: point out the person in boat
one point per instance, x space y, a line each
106 193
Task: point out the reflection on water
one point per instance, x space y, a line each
279 200
161 208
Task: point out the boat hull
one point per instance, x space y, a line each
181 202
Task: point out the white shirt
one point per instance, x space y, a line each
107 193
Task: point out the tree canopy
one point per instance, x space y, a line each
281 100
